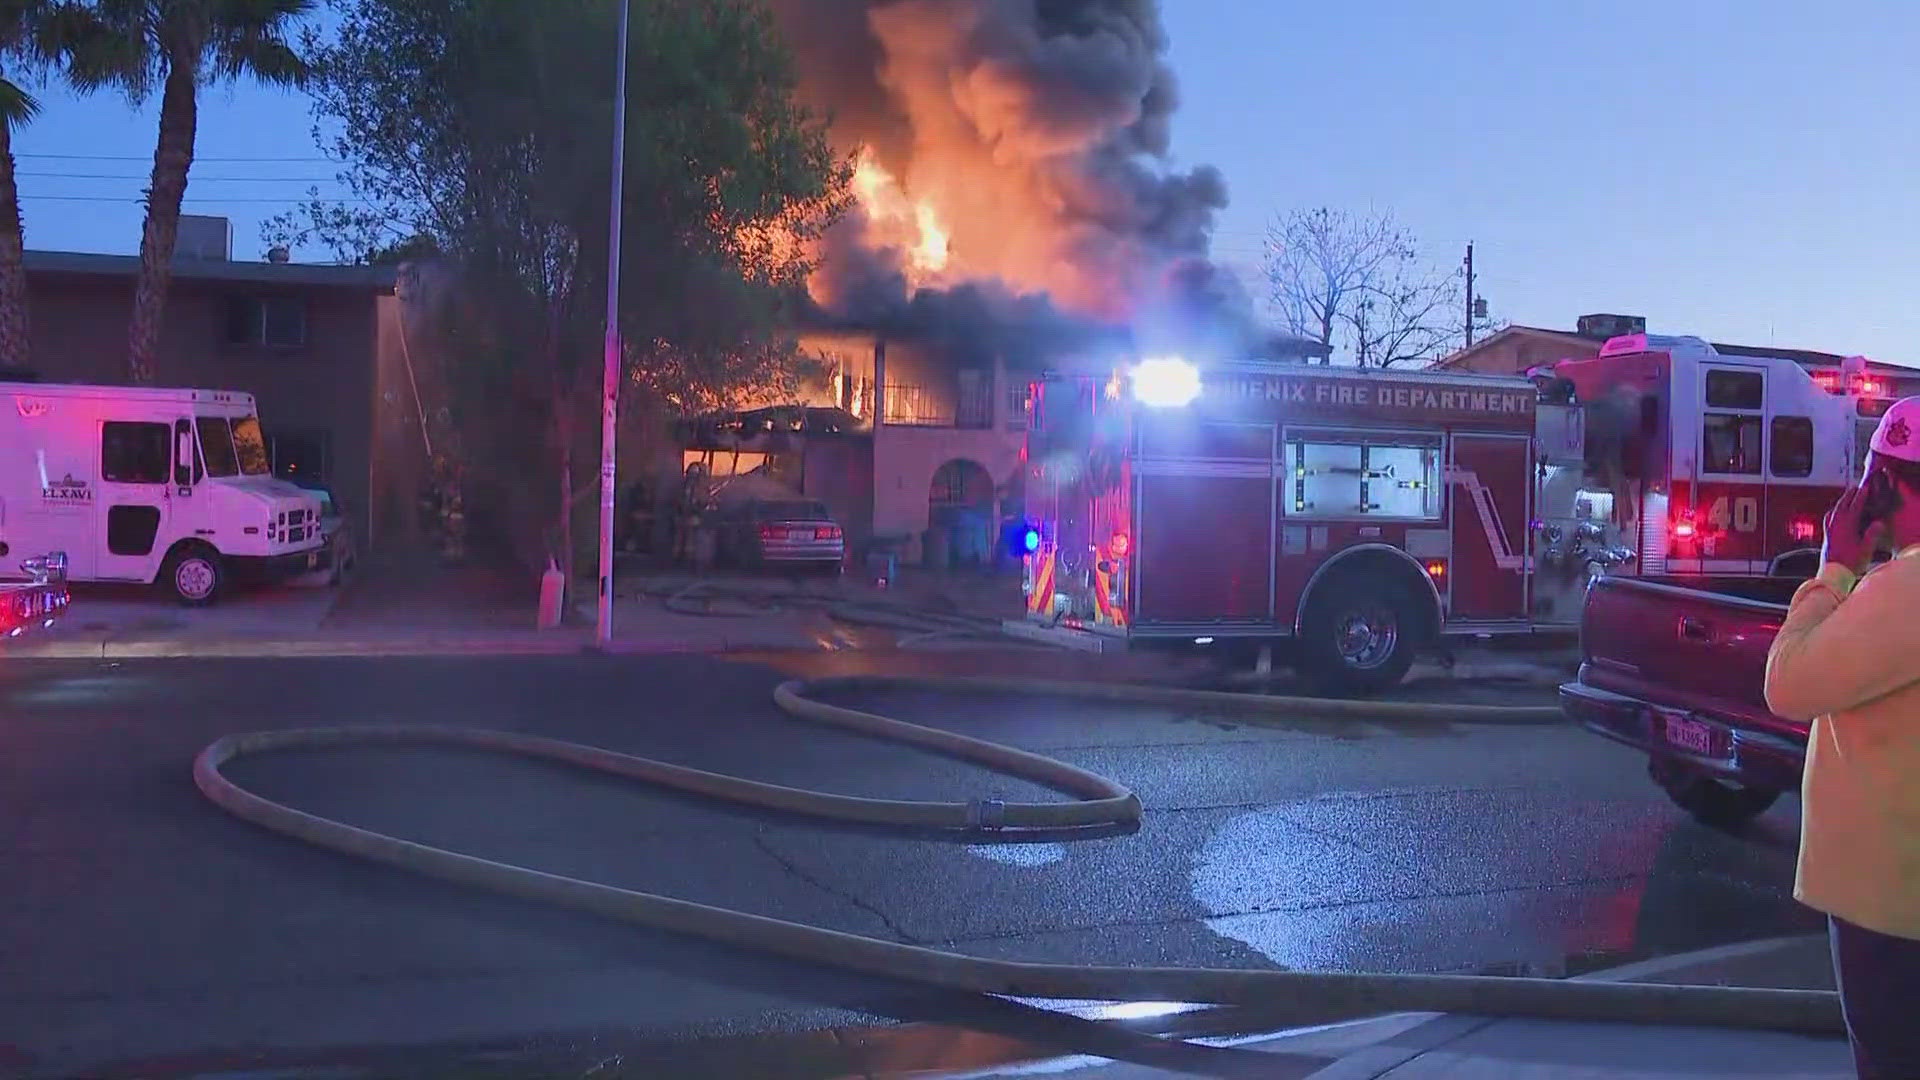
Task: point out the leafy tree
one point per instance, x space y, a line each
504 168
178 46
1359 286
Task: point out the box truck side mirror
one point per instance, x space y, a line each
183 456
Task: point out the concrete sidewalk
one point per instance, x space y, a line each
418 607
1433 1046
404 606
278 639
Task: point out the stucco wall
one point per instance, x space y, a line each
838 470
905 459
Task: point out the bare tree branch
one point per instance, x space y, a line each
1359 286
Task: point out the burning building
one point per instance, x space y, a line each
1014 209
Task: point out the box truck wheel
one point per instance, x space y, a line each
193 574
1360 634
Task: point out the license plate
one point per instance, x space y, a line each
1690 735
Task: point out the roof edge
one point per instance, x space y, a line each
313 275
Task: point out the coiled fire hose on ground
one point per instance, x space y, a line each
1311 997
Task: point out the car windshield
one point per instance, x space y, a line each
250 447
216 446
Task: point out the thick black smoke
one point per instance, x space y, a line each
1038 129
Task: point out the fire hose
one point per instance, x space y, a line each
1100 804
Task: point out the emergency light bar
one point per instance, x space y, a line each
1166 382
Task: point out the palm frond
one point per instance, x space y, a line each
16 105
267 57
105 44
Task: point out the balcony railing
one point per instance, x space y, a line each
914 405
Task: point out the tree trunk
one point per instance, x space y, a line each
561 402
563 430
15 344
172 157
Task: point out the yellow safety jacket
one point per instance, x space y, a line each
1848 659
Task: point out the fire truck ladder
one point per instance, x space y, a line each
1504 556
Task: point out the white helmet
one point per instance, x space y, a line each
1898 435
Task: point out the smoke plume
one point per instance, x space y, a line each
1036 132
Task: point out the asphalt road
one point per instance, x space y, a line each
140 924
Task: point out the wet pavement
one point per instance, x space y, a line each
145 926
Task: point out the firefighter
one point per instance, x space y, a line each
1845 660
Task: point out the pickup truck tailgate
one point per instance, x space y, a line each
1701 645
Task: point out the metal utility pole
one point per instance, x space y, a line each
1469 294
610 378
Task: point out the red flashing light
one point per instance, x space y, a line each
1801 530
1119 545
1683 527
1827 380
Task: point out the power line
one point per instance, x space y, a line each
193 179
147 157
134 199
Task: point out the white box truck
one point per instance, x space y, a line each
158 486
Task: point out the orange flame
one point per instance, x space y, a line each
897 221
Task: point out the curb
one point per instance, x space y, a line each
1512 671
228 648
1658 966
1363 1041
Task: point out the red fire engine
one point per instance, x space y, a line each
1360 515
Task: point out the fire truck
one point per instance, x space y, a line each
1361 516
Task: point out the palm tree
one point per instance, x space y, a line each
24 46
178 45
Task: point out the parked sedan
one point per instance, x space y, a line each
781 532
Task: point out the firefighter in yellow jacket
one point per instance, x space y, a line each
1848 659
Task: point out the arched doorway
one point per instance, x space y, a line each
960 524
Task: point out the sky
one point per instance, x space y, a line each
1741 171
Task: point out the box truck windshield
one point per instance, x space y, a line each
233 448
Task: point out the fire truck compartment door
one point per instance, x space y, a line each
1487 496
1204 530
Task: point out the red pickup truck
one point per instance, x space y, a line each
1676 667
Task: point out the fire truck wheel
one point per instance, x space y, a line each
193 574
1713 802
1360 635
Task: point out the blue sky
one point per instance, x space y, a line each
1741 171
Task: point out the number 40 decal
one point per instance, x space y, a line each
1744 516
